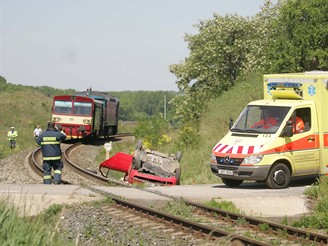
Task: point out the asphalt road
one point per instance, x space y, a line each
251 198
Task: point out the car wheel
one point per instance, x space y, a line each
279 177
177 175
232 182
178 156
139 145
136 163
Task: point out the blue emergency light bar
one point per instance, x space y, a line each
285 85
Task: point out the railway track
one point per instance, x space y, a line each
36 164
207 222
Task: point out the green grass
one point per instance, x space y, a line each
319 218
23 110
213 126
179 208
16 230
224 205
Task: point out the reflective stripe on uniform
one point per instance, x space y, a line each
44 143
45 158
58 171
47 177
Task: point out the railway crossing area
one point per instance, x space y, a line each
252 199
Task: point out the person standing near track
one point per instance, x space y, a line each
50 145
12 136
37 132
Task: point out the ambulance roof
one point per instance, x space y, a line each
309 74
281 102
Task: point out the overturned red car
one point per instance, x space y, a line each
145 166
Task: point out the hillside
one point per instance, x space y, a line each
215 124
23 110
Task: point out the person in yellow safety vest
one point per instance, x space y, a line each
12 136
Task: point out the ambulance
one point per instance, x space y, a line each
277 152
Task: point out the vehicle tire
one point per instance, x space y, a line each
139 145
279 177
232 182
136 163
177 174
178 156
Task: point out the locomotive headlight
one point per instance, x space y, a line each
252 159
213 158
56 119
86 121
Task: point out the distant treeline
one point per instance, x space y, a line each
134 105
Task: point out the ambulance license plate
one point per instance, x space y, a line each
226 172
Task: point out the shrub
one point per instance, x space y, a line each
152 131
187 138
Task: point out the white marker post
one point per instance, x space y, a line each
108 148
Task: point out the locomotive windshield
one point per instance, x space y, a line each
82 108
63 107
260 119
76 108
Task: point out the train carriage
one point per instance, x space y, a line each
110 109
86 113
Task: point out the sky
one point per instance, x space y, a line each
108 45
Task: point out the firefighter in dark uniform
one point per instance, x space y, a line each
50 145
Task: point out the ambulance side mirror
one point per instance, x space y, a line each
288 130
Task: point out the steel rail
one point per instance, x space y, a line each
197 227
85 172
292 231
36 167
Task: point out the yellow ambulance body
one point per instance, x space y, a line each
276 152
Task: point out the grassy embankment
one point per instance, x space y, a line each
23 110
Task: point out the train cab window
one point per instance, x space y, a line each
63 107
82 108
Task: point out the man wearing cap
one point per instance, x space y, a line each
50 145
12 136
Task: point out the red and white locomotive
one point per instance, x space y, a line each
87 113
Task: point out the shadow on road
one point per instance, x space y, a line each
295 182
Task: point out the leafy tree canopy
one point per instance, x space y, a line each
300 40
225 47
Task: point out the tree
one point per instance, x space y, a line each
300 41
3 83
225 48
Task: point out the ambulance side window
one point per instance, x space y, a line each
303 120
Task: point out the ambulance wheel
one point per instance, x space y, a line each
279 177
232 182
177 175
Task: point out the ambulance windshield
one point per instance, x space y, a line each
260 119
